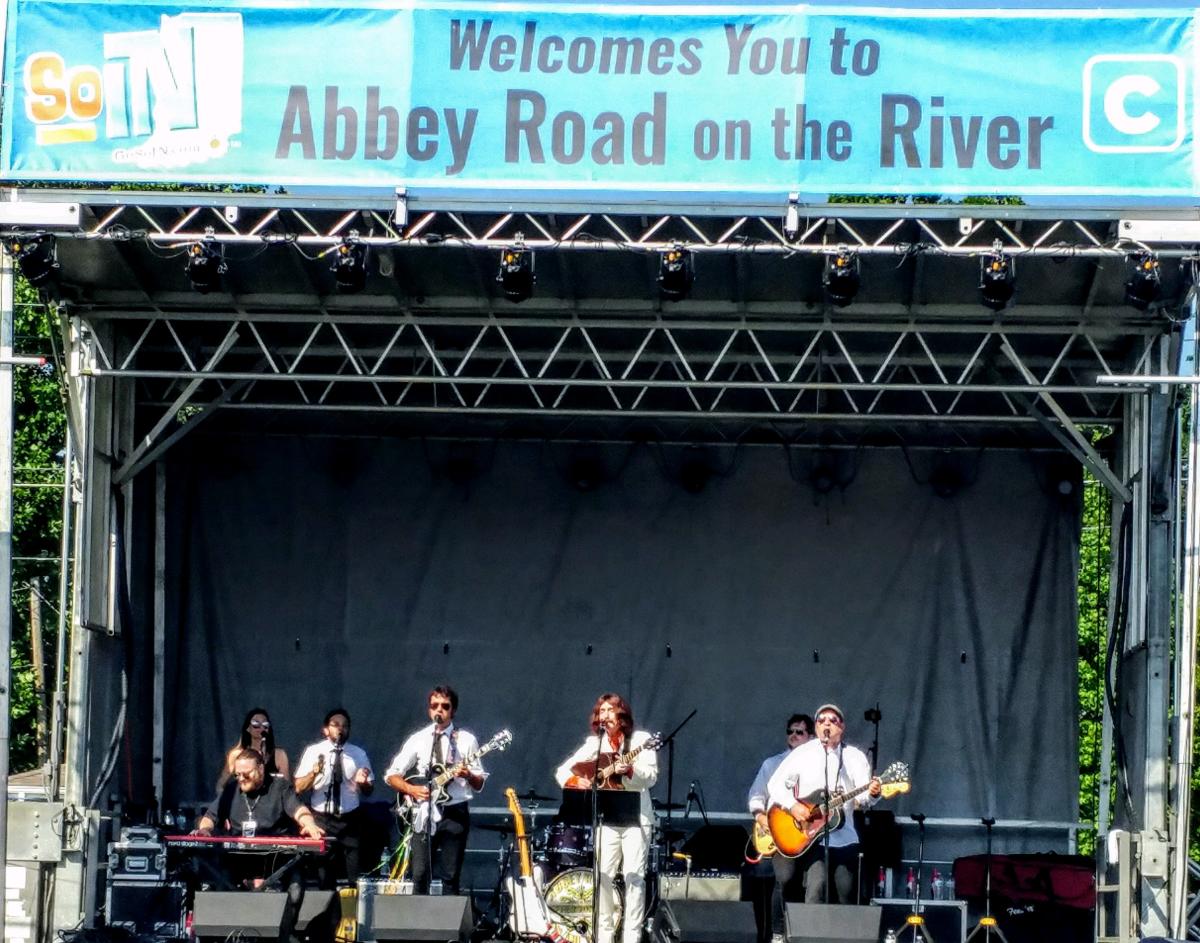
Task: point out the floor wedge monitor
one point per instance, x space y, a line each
706 921
832 923
420 919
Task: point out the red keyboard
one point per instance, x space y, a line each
264 844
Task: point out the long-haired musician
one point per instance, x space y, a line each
622 849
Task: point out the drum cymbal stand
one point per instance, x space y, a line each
987 923
915 921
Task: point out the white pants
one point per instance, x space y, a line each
622 851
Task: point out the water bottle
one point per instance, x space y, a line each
937 886
385 862
881 884
950 895
890 937
910 884
435 888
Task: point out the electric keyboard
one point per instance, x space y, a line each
264 844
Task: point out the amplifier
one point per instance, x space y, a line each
140 860
700 887
368 890
146 907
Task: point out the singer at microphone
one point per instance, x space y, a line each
799 787
617 756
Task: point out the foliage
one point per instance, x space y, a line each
39 435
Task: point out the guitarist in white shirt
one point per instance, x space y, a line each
768 907
805 772
444 743
622 850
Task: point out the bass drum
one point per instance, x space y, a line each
569 902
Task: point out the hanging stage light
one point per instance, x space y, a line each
36 256
205 266
842 277
676 273
516 276
1145 280
349 264
996 279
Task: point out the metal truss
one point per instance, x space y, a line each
755 344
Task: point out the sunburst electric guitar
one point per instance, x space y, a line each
528 917
793 839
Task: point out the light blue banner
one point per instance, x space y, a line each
602 100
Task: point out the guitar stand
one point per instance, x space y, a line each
915 921
987 923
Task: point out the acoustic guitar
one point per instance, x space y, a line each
609 762
793 838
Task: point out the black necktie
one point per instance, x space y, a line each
335 785
438 756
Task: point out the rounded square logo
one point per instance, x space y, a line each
1133 103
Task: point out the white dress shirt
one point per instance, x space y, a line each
353 759
413 760
758 800
645 768
805 770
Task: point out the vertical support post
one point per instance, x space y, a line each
39 667
6 450
160 620
59 703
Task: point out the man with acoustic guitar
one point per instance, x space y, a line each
439 831
768 904
621 758
799 784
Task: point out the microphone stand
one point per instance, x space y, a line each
873 715
597 824
429 808
915 921
669 740
825 826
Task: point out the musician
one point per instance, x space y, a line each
803 775
768 907
440 832
258 805
257 734
339 774
622 849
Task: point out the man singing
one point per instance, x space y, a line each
787 887
439 832
339 775
805 773
622 849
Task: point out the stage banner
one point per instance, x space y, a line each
646 99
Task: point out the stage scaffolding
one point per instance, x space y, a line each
755 354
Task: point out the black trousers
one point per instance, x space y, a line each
844 864
343 859
443 859
789 887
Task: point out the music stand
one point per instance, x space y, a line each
987 923
616 807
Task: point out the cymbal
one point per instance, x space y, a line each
664 806
503 827
531 796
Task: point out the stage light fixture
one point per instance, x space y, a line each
996 279
842 277
36 256
1145 280
349 264
516 276
205 265
676 273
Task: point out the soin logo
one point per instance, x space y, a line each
1134 104
167 98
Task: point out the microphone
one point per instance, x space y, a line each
691 797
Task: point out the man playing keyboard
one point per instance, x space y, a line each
257 806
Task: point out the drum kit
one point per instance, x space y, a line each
563 855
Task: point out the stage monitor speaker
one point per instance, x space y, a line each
706 921
420 919
220 913
832 923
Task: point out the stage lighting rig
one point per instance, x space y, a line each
997 274
349 264
676 273
36 255
516 276
1145 280
842 277
205 265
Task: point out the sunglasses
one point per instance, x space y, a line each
797 732
442 707
260 724
830 719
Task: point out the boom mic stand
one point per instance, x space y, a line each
597 823
987 923
914 921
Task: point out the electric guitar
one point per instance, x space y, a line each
440 776
605 770
793 838
761 844
528 916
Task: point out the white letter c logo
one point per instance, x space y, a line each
1118 94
